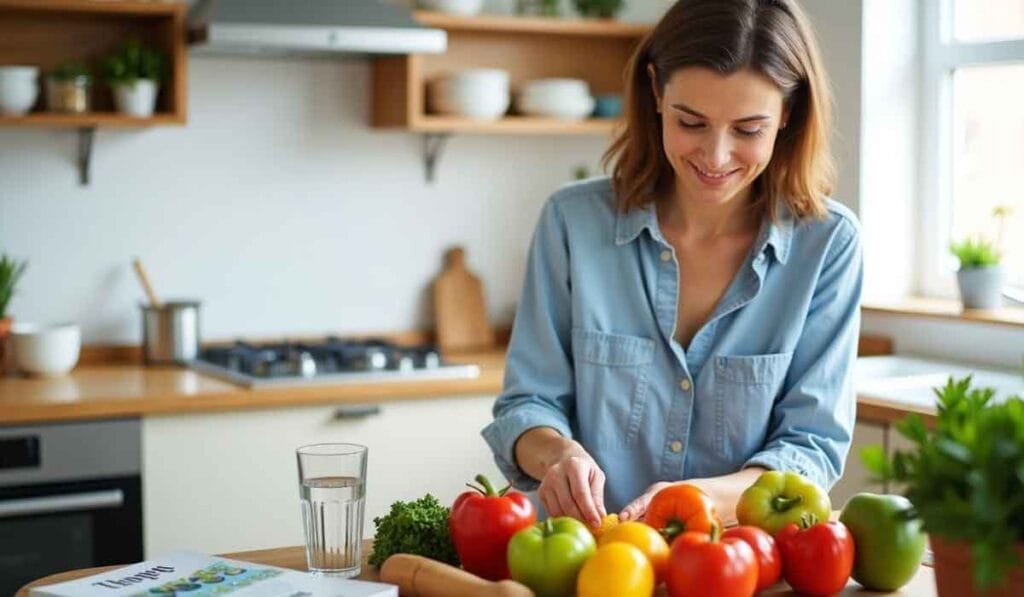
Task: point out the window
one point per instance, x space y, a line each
972 134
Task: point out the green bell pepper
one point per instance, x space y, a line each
548 556
779 498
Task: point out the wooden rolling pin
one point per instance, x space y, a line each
417 576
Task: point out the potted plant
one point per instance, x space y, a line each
67 88
980 276
10 271
135 72
604 9
965 479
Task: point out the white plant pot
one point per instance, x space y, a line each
19 88
137 99
981 287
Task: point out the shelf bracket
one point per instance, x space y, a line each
86 136
433 146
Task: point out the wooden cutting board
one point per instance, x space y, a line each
460 312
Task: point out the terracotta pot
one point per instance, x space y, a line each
5 333
954 571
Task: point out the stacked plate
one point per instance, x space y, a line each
568 99
479 93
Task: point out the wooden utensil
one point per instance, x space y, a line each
417 576
146 286
460 312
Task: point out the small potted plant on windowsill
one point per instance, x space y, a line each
980 277
10 271
965 479
134 73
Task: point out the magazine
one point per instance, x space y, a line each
189 574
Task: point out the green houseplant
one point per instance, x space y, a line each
980 276
605 9
965 479
11 271
135 72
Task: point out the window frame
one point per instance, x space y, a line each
941 55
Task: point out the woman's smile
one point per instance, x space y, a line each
713 179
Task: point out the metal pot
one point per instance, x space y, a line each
170 332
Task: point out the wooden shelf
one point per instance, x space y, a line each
513 125
48 33
91 119
540 25
595 51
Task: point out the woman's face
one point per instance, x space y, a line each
718 131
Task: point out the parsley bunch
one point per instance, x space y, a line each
419 527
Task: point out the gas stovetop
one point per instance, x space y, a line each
329 361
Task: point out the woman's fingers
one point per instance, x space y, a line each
566 502
579 487
597 490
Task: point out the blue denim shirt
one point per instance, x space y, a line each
766 381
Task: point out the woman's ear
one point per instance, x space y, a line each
654 86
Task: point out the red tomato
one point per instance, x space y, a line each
769 560
700 564
482 523
817 560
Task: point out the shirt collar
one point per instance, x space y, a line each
776 234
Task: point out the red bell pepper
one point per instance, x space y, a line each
817 558
483 521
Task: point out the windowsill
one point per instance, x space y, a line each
948 309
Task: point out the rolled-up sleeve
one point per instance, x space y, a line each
539 390
812 422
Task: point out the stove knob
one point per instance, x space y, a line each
376 359
406 363
431 360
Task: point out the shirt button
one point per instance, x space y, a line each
685 385
676 446
666 255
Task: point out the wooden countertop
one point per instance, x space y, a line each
921 585
113 391
116 391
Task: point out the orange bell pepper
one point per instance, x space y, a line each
681 507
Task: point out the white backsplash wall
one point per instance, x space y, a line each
276 205
285 213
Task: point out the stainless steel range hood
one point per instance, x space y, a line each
358 27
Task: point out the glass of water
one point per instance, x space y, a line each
332 488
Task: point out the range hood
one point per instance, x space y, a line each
358 27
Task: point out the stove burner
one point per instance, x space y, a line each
332 355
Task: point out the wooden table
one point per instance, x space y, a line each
922 585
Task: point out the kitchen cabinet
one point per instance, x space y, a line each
46 33
596 51
217 482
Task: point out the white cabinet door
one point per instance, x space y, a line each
855 477
219 482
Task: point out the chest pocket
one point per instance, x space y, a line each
745 391
611 385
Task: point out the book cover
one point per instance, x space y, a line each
189 574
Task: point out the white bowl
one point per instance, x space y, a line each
455 7
19 88
47 350
556 86
481 94
565 108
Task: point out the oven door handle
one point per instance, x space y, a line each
73 502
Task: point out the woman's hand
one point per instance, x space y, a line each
636 509
574 486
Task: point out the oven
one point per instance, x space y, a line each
70 497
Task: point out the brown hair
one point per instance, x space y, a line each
771 37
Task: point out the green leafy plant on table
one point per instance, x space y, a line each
965 477
604 9
419 527
11 271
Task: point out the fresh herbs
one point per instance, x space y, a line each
965 477
419 527
10 271
69 71
975 253
134 61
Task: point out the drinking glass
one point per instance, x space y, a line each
332 488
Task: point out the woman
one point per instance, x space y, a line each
694 317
